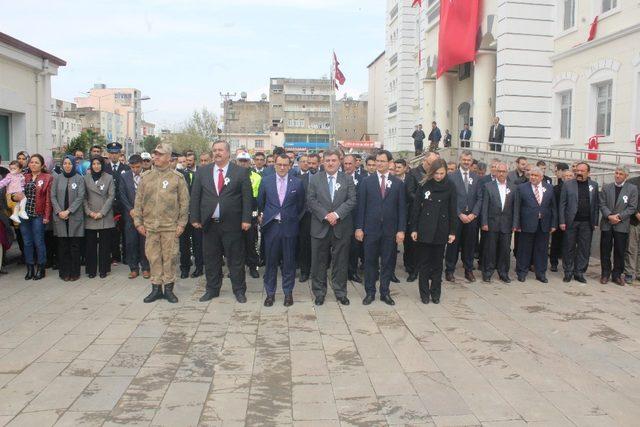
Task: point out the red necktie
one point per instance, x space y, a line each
220 181
382 186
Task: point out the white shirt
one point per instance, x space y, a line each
216 169
502 189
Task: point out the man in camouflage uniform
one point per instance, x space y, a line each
161 213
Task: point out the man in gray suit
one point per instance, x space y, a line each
632 256
618 202
578 213
331 200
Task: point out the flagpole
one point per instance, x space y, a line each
332 103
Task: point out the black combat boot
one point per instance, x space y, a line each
168 293
40 272
30 272
156 294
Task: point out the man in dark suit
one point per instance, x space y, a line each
557 237
332 199
221 207
192 237
497 222
465 136
418 139
434 137
578 217
404 174
355 248
618 202
496 135
519 174
136 257
281 202
468 209
535 216
382 217
304 235
116 168
632 255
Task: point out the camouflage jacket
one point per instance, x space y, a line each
162 200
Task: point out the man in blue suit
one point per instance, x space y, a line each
535 215
129 181
380 222
469 202
281 203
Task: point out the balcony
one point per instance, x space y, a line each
309 97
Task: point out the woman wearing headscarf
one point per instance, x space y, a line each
99 224
37 190
433 225
67 199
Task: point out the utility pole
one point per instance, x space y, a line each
226 98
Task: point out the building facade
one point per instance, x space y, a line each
377 99
350 119
247 124
301 109
534 69
64 127
108 124
25 97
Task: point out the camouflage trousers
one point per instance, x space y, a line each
161 249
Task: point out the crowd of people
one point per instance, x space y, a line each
311 213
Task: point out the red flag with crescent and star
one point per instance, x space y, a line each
458 33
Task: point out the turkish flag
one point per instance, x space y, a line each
593 146
337 73
457 34
593 29
416 2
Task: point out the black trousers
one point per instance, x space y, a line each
617 242
116 238
418 145
191 243
430 269
98 250
354 255
495 146
324 251
577 247
50 245
409 254
496 253
68 257
379 261
250 237
536 246
466 240
136 257
217 242
465 143
304 245
556 251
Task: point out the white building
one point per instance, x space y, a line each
534 69
65 125
377 99
25 97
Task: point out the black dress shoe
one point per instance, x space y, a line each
196 273
288 300
103 275
425 300
542 279
241 298
268 301
522 278
304 278
184 275
412 277
355 278
553 268
449 277
436 300
92 276
567 278
368 299
209 296
343 300
387 299
253 272
3 271
319 301
505 279
580 278
486 279
395 279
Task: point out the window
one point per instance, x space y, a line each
608 5
259 143
569 18
393 108
565 114
53 124
393 60
603 108
464 71
433 15
393 12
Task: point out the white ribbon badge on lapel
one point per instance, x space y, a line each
507 191
102 187
427 194
337 186
227 181
544 190
388 184
355 181
40 183
625 199
590 188
74 186
165 184
470 181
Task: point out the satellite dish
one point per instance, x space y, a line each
263 96
243 95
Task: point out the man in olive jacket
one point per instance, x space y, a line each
160 213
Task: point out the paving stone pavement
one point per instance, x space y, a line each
92 353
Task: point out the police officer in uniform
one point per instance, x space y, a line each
161 212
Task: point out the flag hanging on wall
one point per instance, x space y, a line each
457 34
593 29
416 2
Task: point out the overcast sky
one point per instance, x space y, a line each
184 53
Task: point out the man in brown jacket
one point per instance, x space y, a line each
161 213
